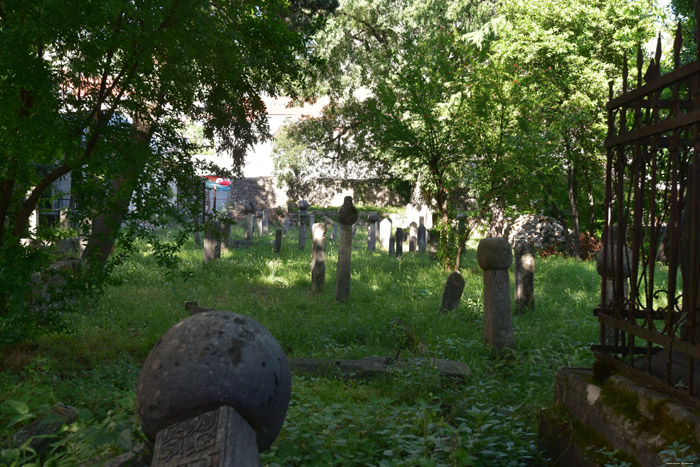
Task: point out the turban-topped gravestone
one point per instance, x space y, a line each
210 360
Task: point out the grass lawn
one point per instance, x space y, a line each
409 418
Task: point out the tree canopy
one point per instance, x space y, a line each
103 91
487 104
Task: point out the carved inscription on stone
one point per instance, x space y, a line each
190 443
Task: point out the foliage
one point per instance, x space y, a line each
494 411
106 94
485 105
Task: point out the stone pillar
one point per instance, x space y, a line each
354 230
266 221
412 237
259 221
226 232
399 241
347 216
602 266
524 276
198 237
392 245
318 257
278 240
384 234
289 218
249 226
212 241
495 256
372 232
303 206
312 221
422 235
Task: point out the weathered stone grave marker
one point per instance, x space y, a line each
384 233
399 241
318 257
422 235
372 232
451 296
278 240
213 391
347 216
412 237
249 226
495 256
212 241
524 276
303 206
259 221
266 221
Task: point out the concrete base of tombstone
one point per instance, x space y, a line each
590 417
218 438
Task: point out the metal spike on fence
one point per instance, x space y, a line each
677 45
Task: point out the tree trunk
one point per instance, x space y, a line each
591 206
573 205
106 224
498 219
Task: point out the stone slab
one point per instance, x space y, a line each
371 366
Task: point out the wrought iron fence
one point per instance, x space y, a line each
650 265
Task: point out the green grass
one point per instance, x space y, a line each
408 418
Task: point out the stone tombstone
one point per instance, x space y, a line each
372 232
259 221
220 437
495 256
266 221
392 243
198 237
249 226
451 296
303 206
215 388
347 216
384 233
433 244
212 241
461 216
312 221
412 237
226 232
422 235
608 268
399 241
524 253
318 257
278 240
354 230
334 234
289 219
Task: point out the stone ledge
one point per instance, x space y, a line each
632 418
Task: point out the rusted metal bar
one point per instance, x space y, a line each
651 336
661 82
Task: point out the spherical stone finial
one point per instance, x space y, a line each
373 217
494 253
347 213
303 204
213 359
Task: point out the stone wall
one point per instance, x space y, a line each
263 192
